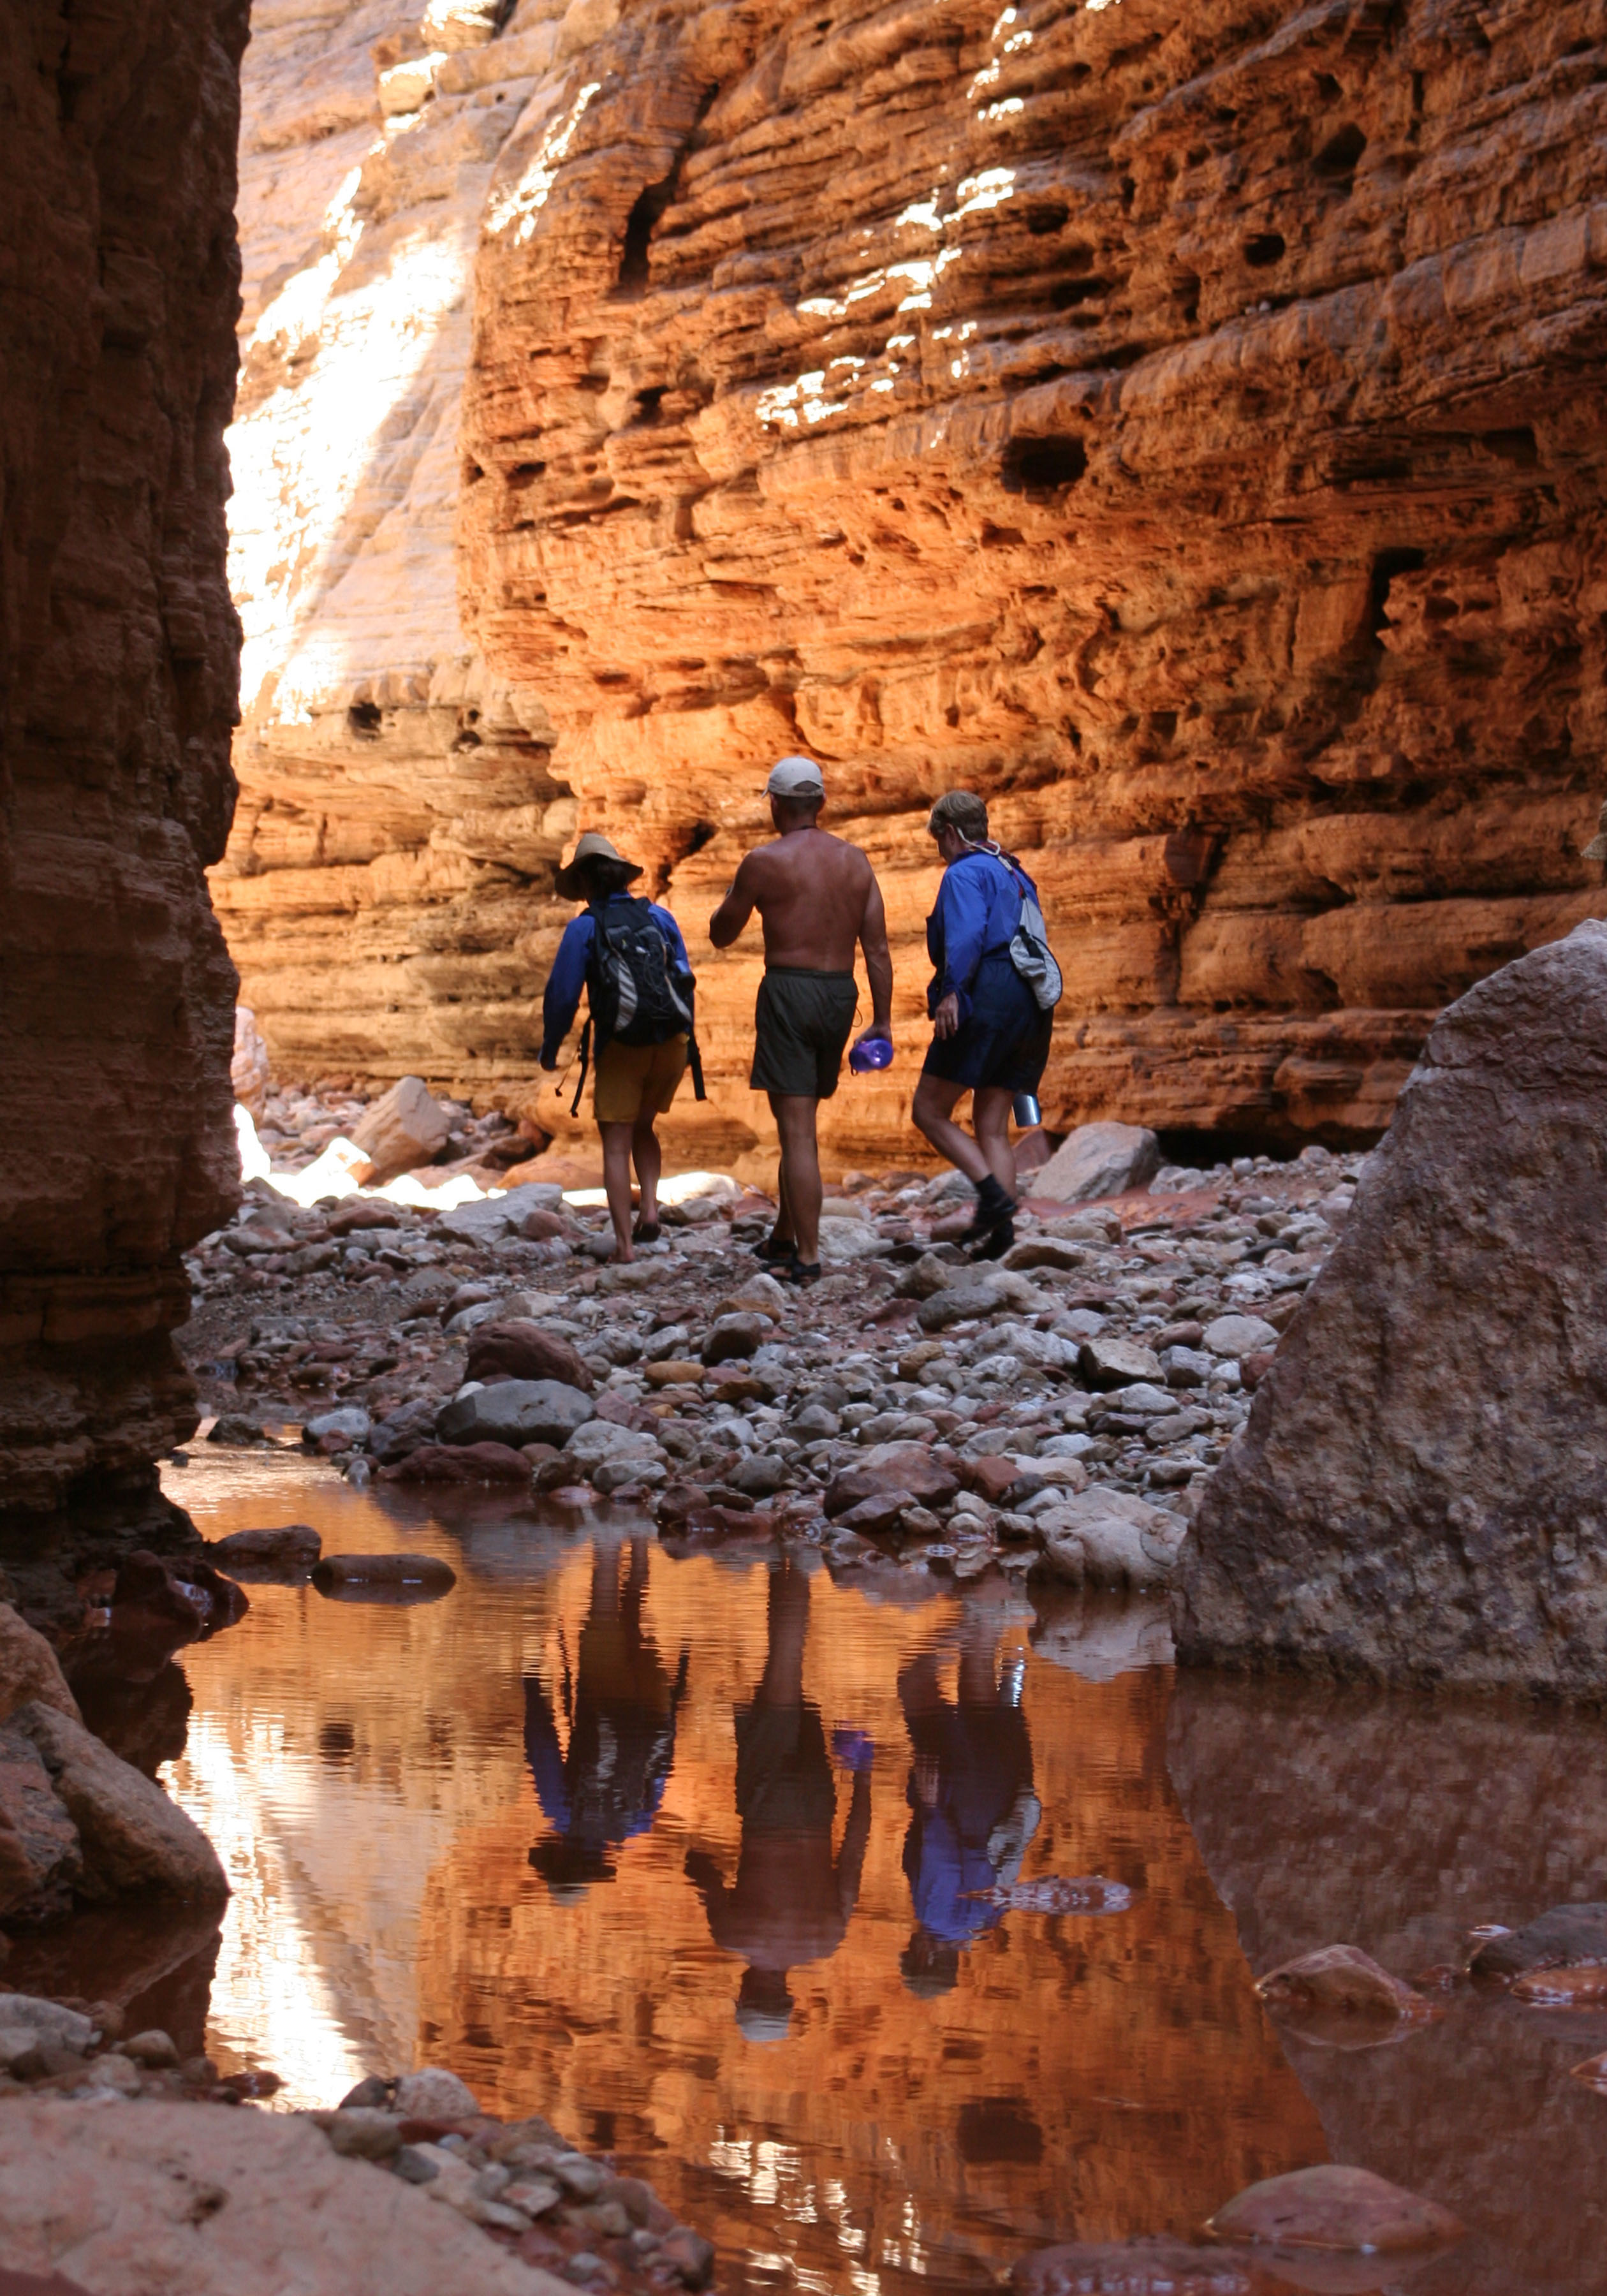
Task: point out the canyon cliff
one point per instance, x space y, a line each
118 656
1184 429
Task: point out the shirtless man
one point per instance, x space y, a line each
816 898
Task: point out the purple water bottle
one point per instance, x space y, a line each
871 1052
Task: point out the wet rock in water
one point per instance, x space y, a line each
1583 1986
735 1338
336 1431
1135 2268
1416 1495
460 1463
1593 2073
1112 1363
1082 1894
408 1426
1564 1937
911 1468
131 1835
1099 1160
286 1546
184 1599
1340 1986
236 1430
1348 2211
513 1348
29 1670
515 1411
384 1577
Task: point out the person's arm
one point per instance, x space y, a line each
735 909
964 902
878 961
565 983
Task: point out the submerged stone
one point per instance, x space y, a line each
1336 2208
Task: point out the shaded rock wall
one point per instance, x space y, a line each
1185 428
118 653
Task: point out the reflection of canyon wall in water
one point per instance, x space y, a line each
1184 425
1133 2086
1396 1826
118 653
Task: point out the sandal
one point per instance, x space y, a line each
648 1235
775 1251
800 1272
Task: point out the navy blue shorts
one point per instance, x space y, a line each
1003 1043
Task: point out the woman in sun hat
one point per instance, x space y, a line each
990 1037
629 956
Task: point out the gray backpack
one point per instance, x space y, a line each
1030 953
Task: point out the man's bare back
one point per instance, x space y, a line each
815 896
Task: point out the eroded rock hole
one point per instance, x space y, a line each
364 719
1386 566
643 221
1265 249
1040 466
1338 158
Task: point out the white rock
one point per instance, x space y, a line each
1099 1160
434 2094
1240 1335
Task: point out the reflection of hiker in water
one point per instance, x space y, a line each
971 1794
792 1900
620 1708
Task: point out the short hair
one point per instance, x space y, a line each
963 811
805 805
600 875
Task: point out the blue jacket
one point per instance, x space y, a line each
567 979
979 908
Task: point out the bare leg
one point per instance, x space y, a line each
990 1117
794 1114
616 1180
649 1159
933 1114
784 1231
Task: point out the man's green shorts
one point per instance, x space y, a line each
800 1028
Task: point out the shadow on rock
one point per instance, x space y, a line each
1398 1824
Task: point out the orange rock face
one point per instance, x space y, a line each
118 651
1185 427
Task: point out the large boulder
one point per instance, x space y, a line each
406 1128
39 1860
131 1836
1099 1160
1417 1495
514 1412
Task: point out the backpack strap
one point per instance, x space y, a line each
586 1054
695 1061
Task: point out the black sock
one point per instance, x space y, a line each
991 1196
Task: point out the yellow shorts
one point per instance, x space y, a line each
636 1081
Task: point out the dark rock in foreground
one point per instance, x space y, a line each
1417 1495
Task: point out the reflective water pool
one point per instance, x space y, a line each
705 1860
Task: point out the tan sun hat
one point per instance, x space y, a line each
570 883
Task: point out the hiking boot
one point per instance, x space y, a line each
995 1245
994 1210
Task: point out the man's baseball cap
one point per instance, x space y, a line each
795 778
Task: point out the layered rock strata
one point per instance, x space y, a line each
118 653
1416 1495
1185 428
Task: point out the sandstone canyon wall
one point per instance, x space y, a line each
118 653
1183 426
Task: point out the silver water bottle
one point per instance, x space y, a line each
1026 1110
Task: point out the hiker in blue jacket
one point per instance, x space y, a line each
642 1054
990 1037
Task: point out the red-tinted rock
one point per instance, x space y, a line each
1330 2207
991 1476
1565 1937
1342 1984
460 1463
38 1841
907 1467
287 1546
521 1349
